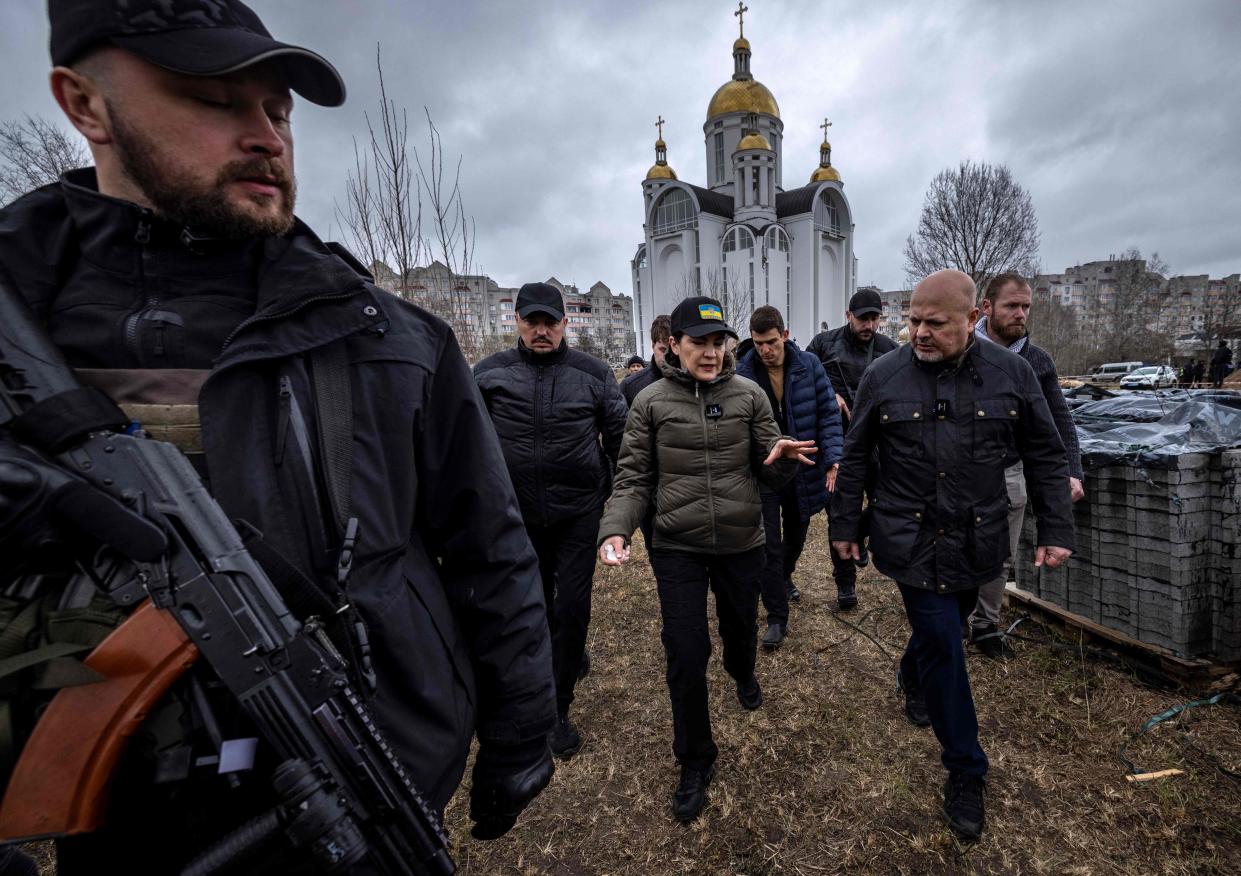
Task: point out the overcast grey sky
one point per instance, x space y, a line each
1119 116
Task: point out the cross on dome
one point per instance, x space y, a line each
742 9
660 124
826 124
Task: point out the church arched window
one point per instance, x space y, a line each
640 259
777 239
737 239
829 216
674 211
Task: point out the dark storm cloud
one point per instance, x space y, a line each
1118 116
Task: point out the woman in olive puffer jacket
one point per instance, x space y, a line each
697 444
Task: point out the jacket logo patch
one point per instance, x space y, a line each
715 411
710 311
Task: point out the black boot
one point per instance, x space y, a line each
964 808
564 740
775 634
846 594
791 589
749 694
585 670
691 793
915 705
991 642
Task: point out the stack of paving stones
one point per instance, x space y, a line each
1158 555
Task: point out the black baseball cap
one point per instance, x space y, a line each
865 302
540 298
195 37
699 316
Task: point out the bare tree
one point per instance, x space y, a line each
33 153
728 289
1221 314
976 219
420 249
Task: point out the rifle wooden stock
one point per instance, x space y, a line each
60 783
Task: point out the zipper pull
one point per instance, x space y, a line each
143 234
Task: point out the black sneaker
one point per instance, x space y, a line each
691 793
963 804
991 642
749 694
846 595
564 740
915 704
791 589
774 636
585 670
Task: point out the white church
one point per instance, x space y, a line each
744 238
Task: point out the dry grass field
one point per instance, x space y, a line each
828 777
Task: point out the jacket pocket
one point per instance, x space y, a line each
904 424
986 544
894 528
995 422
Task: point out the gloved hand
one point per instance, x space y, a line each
505 781
48 515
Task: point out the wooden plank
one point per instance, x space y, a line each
1143 655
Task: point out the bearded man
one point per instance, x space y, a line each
173 275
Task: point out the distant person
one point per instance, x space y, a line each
941 419
804 404
706 438
1221 364
634 365
636 381
1006 308
1186 375
846 352
1200 370
560 416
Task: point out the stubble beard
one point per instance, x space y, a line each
205 209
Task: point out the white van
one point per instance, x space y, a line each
1110 372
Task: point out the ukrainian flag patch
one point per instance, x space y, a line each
710 311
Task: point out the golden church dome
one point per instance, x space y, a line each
824 174
753 140
661 171
743 96
741 43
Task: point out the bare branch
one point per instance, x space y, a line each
33 153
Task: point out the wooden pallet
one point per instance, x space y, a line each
1188 673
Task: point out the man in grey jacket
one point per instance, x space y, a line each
1006 309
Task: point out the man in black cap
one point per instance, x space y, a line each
174 276
560 417
846 352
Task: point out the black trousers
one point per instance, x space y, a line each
566 554
683 579
785 533
934 663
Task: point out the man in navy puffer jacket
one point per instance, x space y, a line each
804 405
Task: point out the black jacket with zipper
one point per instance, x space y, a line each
944 435
560 417
443 575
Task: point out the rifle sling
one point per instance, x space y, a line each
334 421
56 422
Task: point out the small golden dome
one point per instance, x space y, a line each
660 144
661 171
824 174
753 140
742 96
741 43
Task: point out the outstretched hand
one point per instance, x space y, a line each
790 448
847 550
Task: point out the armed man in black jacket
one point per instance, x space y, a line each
560 417
846 352
174 276
947 415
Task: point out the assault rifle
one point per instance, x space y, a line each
344 795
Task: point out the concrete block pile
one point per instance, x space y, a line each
1158 555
